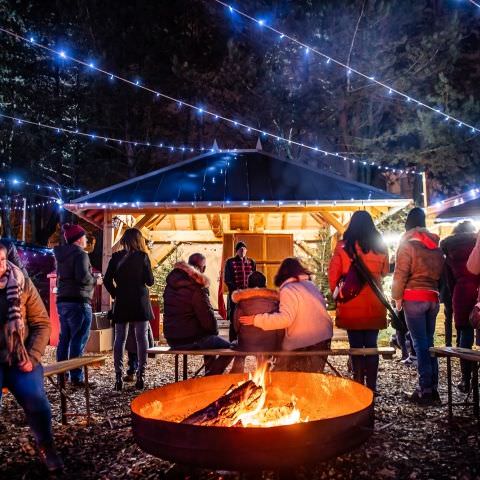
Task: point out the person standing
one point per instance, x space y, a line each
189 321
463 286
75 285
128 275
418 269
303 315
364 315
237 271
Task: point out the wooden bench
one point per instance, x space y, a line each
385 352
462 354
60 369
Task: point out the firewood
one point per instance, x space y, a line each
225 411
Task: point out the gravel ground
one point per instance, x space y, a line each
409 442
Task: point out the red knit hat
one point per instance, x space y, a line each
72 232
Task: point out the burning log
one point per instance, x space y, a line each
226 410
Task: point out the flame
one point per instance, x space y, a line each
263 415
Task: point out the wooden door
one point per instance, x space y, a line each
268 250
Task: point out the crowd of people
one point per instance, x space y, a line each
292 317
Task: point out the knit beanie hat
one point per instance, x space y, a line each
415 218
72 232
239 245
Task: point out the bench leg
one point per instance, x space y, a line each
449 389
63 397
87 394
185 367
176 368
476 406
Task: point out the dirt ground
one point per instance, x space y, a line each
409 442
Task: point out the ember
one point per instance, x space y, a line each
245 405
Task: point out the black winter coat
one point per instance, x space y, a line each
188 314
75 281
127 285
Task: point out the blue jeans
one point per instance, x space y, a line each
214 365
28 390
75 322
365 368
141 336
421 318
465 338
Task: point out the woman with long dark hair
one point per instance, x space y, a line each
302 314
364 315
128 275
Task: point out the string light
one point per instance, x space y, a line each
351 70
201 110
94 136
37 186
474 3
18 205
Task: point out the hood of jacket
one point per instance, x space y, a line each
184 275
63 252
428 239
251 293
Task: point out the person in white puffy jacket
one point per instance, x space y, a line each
303 315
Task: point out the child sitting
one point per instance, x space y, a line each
251 301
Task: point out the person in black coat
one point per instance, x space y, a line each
75 286
189 321
128 274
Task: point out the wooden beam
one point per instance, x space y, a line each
216 225
158 221
182 236
259 222
106 255
309 252
331 219
251 222
159 255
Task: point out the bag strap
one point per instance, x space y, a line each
367 275
122 261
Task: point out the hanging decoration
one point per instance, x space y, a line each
15 182
201 110
349 70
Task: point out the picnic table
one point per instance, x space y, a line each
462 354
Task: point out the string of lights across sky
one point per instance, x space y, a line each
262 23
200 109
94 136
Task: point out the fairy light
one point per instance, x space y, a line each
94 136
18 205
201 110
16 181
348 68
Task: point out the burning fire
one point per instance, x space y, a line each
263 415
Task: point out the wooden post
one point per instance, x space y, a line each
425 192
107 255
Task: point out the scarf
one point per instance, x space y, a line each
14 329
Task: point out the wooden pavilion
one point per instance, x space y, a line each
224 196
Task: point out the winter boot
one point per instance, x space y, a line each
50 458
118 382
140 383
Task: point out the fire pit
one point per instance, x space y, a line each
282 420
